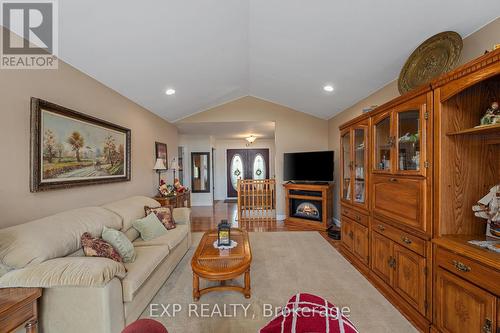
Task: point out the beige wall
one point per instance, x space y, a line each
73 89
474 46
294 132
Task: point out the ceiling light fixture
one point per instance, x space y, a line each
170 92
328 88
251 139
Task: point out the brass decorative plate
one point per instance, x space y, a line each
437 55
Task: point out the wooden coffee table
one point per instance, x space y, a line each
221 265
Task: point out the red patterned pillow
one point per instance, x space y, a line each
97 247
164 214
309 313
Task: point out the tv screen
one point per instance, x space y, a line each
311 166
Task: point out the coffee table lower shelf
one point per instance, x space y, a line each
197 292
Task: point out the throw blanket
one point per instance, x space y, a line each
309 313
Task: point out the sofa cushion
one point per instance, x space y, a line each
53 236
65 272
172 238
146 261
131 209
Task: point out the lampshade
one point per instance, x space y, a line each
159 165
174 165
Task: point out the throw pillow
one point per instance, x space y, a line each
164 214
149 227
120 242
96 247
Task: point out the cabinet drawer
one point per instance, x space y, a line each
469 269
400 199
354 215
404 239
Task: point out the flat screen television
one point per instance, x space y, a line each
309 166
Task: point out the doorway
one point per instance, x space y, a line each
245 164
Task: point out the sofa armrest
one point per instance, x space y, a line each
83 309
183 216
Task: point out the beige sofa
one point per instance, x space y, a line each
84 294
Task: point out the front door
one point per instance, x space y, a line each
245 164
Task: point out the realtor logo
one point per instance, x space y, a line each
29 34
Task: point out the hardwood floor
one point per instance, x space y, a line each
208 217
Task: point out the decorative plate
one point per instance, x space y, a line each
437 55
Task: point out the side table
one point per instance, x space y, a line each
18 308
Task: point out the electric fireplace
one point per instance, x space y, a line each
306 209
309 206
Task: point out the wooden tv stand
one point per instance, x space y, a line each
321 195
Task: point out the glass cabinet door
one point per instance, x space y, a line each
408 140
360 165
346 167
383 144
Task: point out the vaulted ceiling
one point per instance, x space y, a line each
284 51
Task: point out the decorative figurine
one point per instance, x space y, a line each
179 188
224 233
492 115
488 208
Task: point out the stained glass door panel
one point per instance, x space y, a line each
259 167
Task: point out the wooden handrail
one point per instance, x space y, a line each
256 199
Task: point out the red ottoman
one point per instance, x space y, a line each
145 326
309 313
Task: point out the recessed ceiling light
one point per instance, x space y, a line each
328 88
170 92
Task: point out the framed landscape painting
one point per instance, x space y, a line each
69 148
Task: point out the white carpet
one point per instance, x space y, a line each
284 263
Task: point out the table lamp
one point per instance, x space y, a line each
159 167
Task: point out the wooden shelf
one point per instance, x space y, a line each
478 130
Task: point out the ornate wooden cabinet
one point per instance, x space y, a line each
354 190
401 192
467 165
401 173
428 165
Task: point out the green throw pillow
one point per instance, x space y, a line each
149 227
120 243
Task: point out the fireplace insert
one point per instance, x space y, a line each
306 209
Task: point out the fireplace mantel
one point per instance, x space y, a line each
309 206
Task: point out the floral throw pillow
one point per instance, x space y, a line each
164 214
97 247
